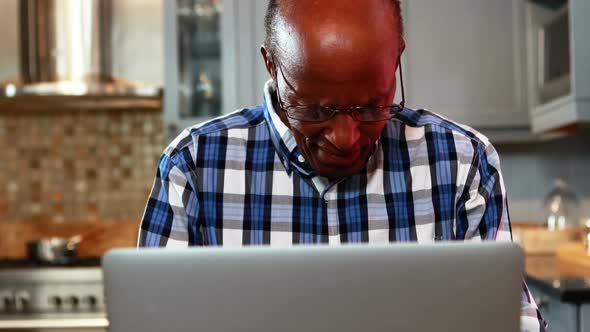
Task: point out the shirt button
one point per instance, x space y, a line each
301 159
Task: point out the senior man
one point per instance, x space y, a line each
327 157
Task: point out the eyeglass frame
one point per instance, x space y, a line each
353 111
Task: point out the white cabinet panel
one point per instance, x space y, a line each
464 60
573 108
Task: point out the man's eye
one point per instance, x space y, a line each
315 112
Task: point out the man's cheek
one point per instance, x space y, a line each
373 131
305 129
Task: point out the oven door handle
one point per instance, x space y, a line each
54 323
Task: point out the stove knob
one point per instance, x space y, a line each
6 301
74 301
56 301
22 301
91 301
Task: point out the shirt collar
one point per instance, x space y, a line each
282 137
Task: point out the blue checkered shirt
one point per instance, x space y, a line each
241 180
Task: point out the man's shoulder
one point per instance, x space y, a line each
236 123
418 122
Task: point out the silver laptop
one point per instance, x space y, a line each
459 287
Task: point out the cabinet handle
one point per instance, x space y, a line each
543 303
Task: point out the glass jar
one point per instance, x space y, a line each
561 207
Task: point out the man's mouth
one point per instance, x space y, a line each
330 156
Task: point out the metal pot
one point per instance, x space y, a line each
59 251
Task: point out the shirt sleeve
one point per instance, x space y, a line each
170 216
482 214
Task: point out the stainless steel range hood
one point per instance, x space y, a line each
66 49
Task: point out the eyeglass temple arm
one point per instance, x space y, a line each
279 68
401 79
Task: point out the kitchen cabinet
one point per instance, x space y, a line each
545 53
213 64
465 60
561 291
561 316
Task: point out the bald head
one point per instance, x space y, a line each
334 54
281 15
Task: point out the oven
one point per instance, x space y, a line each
37 297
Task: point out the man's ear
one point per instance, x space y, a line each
268 63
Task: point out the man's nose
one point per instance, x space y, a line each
343 131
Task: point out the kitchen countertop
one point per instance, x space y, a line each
79 103
546 273
114 233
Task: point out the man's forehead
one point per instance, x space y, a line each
325 8
342 40
337 30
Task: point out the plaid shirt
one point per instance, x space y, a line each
241 180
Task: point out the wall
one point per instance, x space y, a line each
529 171
71 164
84 162
9 50
137 40
63 171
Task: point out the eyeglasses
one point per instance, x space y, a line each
317 113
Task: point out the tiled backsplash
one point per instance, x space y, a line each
64 164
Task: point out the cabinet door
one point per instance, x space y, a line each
464 60
213 64
560 316
585 317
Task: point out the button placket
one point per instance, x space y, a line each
329 194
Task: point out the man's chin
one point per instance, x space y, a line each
337 172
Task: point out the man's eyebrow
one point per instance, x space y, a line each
374 100
301 99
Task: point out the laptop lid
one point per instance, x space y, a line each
460 287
